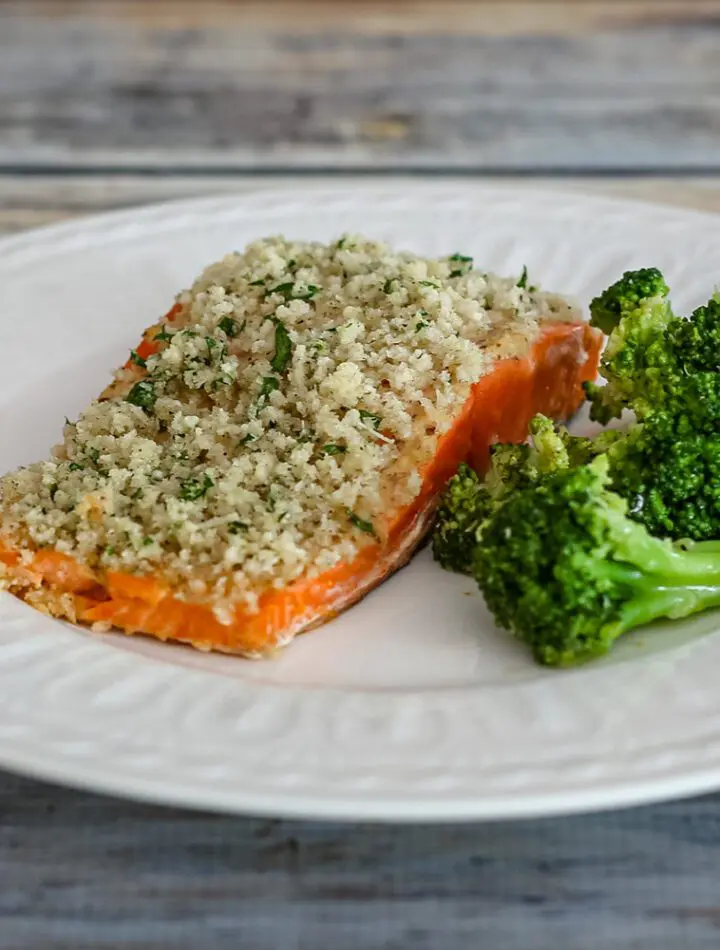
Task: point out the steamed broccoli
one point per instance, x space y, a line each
655 362
464 506
671 481
563 567
635 313
468 500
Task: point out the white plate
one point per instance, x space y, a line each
412 705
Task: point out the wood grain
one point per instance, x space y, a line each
475 86
79 871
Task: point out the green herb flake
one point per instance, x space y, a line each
142 394
360 524
137 359
369 418
237 527
75 467
420 325
283 349
193 488
334 449
341 243
110 551
523 281
257 283
285 290
429 283
229 327
461 258
247 439
269 385
388 285
164 335
147 542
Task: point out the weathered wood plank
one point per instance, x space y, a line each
80 871
32 201
602 85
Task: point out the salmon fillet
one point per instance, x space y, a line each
275 446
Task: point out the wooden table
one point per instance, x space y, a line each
104 105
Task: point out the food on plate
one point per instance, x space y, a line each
579 498
275 446
562 566
469 499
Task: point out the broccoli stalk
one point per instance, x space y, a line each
564 568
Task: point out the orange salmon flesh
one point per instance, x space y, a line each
549 380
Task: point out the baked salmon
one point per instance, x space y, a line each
275 446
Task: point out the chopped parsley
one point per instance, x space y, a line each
247 439
341 243
269 385
465 264
75 467
365 526
285 290
235 527
147 542
164 335
257 283
229 327
429 283
523 281
137 359
388 285
283 348
193 488
334 449
288 291
142 394
369 418
420 325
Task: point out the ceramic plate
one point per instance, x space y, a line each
412 705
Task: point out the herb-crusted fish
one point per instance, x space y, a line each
274 447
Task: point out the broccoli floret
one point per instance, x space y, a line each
635 312
630 294
670 480
468 500
464 506
563 567
655 361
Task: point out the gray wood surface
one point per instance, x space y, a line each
619 84
112 104
80 871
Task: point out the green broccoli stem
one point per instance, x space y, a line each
658 602
699 564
